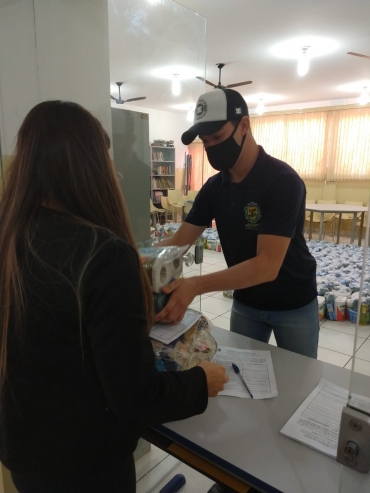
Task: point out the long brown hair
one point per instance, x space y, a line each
61 158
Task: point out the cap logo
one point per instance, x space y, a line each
238 111
201 109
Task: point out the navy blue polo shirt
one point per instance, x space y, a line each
270 200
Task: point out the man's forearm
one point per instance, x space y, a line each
185 235
244 275
169 241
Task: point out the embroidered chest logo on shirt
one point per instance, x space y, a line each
253 215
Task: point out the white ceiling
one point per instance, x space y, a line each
241 34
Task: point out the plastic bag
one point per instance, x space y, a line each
188 350
162 264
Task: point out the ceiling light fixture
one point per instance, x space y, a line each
190 114
303 61
176 86
260 107
292 48
365 96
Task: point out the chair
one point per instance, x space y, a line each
328 217
155 211
190 197
176 197
176 201
347 218
308 213
166 207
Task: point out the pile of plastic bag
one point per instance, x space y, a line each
339 271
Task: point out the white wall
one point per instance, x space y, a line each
164 125
52 49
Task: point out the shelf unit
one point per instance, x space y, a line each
162 172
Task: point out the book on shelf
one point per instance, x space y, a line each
157 194
161 170
158 156
161 183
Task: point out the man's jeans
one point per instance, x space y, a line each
294 330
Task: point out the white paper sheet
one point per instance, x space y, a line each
256 369
316 422
167 333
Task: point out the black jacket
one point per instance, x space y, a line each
76 396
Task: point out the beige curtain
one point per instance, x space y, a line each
299 139
350 153
201 169
319 145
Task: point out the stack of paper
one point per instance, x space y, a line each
256 369
316 422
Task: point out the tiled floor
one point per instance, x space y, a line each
336 343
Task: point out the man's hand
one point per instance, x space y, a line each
182 292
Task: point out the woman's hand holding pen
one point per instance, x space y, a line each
216 377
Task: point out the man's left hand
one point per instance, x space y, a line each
182 292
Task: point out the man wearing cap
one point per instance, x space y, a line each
258 203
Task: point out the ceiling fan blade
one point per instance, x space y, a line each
134 99
240 84
206 81
358 54
112 97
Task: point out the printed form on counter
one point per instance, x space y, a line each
316 422
256 369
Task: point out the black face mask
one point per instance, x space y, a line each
223 156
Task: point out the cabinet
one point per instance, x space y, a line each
162 172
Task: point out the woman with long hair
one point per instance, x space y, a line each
78 381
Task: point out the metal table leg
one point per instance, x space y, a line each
340 220
353 227
361 228
321 224
310 227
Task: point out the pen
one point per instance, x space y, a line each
237 371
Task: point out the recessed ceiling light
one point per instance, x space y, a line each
303 61
190 115
260 107
183 72
365 96
176 86
267 98
292 48
183 106
355 87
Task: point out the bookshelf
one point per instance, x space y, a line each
162 172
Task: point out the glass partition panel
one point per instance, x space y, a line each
353 430
157 51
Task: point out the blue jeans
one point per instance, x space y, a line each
294 330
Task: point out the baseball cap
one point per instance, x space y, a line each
213 110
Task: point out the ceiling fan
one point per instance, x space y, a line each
219 85
358 54
121 101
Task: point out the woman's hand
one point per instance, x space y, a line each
216 377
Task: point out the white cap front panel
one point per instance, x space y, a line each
211 107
